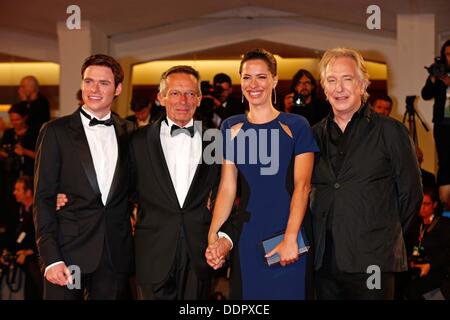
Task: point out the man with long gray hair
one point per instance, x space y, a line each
365 187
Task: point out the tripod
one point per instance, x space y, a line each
411 113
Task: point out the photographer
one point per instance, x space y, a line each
16 155
20 256
437 87
225 104
428 246
18 143
143 111
303 99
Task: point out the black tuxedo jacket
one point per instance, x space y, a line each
79 232
161 218
372 199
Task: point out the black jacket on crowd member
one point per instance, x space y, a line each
314 111
17 165
38 112
22 237
230 107
438 92
436 251
441 130
428 179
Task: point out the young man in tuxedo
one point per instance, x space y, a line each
174 188
85 156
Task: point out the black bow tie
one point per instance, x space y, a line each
95 121
174 130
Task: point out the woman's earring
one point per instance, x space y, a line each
242 100
275 96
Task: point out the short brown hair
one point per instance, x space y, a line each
261 54
105 61
19 108
27 182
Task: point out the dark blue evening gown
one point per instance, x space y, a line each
265 202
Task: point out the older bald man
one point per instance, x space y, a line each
38 106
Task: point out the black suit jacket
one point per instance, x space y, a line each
77 233
374 196
161 218
233 107
38 112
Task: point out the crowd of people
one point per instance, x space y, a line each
136 205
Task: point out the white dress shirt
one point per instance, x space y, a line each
183 155
104 151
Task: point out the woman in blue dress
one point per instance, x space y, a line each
273 152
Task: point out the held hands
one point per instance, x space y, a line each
287 250
217 251
59 274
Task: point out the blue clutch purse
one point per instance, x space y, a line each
269 243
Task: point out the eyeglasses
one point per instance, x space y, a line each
177 94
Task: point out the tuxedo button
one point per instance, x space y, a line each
337 185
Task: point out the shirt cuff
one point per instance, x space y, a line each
221 235
51 265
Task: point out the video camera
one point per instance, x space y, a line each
9 270
439 68
7 258
13 162
209 90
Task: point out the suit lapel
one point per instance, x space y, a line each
158 162
76 131
122 149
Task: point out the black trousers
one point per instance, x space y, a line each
181 283
102 284
441 133
353 286
333 284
